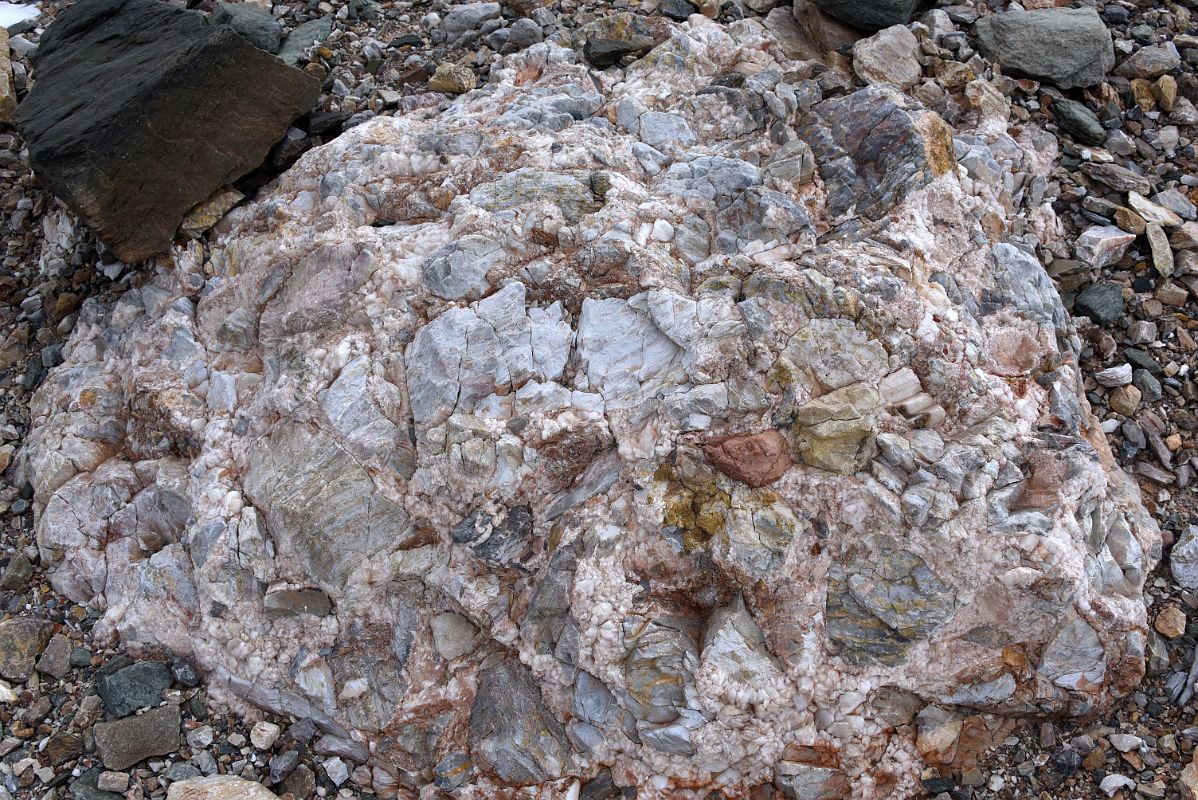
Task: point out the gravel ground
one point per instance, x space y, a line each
378 61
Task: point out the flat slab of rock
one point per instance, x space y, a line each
1066 46
123 88
218 787
123 743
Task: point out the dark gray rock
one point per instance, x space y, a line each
124 87
1101 302
17 574
604 53
181 772
283 764
184 673
874 147
301 783
523 33
1141 360
501 540
870 15
253 22
134 687
679 10
1066 46
85 787
452 771
512 734
123 743
304 36
1149 386
1079 121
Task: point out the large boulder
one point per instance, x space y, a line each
140 110
870 15
516 451
1066 46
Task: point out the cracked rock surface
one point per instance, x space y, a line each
433 441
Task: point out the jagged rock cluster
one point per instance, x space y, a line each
691 426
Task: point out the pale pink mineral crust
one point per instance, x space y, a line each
415 443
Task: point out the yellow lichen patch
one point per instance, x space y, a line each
693 503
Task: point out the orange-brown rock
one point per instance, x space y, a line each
753 458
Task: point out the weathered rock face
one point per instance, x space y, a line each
124 86
518 452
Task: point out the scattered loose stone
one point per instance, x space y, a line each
1162 254
452 79
56 658
22 640
17 574
264 735
889 56
1171 622
134 687
112 781
1114 376
1125 400
127 741
1101 302
251 21
1078 120
218 787
1102 245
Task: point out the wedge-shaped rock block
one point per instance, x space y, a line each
141 110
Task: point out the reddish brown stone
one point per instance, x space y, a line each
753 458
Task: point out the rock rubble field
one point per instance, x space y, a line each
660 400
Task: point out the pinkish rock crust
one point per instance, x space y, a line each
455 371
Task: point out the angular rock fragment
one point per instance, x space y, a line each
122 87
877 610
889 56
1102 245
1065 46
123 743
8 94
874 147
22 640
134 687
512 733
